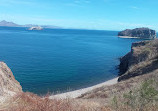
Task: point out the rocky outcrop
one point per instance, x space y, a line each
139 32
142 59
36 28
8 85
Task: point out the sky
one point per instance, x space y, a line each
82 14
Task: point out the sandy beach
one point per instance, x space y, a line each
128 37
77 93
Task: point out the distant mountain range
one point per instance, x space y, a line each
12 24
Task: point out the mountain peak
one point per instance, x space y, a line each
3 21
9 24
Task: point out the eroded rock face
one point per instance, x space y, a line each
8 85
142 59
139 32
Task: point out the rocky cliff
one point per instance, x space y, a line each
142 59
139 32
8 85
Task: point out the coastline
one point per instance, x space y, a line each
77 93
128 37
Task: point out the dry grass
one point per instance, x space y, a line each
129 91
31 102
144 98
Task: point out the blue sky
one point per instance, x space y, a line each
84 14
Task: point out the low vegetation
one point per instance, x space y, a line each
31 102
144 98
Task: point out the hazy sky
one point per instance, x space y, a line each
87 14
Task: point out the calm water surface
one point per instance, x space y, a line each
61 59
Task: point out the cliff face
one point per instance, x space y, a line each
8 85
139 32
142 59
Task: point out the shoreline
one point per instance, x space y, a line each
77 93
128 37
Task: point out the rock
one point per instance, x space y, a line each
139 33
8 85
36 28
142 59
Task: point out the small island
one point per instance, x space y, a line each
36 28
145 33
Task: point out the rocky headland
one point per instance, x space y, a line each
142 59
137 88
145 33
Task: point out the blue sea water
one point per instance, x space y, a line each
54 60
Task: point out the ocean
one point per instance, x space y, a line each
60 60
